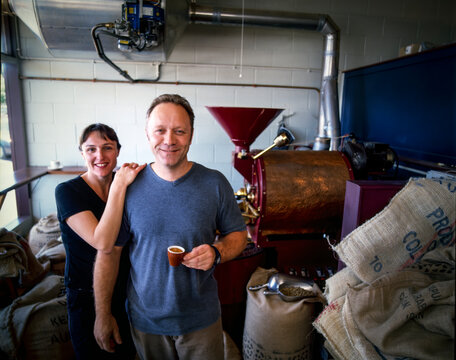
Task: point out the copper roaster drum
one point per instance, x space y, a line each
299 192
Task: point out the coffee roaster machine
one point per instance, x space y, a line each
293 201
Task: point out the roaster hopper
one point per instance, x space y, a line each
292 200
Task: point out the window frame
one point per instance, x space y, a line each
16 119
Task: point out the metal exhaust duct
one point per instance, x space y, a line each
329 124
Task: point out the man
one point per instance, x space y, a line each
174 312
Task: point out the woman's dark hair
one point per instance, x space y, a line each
105 131
174 99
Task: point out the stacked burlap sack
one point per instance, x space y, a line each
19 268
395 298
33 315
46 243
45 230
35 325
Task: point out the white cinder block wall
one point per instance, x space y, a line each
56 111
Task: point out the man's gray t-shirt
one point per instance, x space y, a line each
187 212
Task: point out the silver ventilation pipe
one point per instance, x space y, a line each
329 123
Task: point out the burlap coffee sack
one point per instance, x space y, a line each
275 328
53 251
337 285
17 260
420 218
36 323
438 264
13 258
404 314
45 230
358 341
35 271
47 335
329 323
327 345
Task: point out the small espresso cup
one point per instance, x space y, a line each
175 255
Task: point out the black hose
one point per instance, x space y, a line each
99 47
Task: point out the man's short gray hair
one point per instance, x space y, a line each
174 99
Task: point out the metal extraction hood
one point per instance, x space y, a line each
64 27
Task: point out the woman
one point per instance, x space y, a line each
89 209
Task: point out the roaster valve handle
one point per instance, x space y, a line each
279 141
